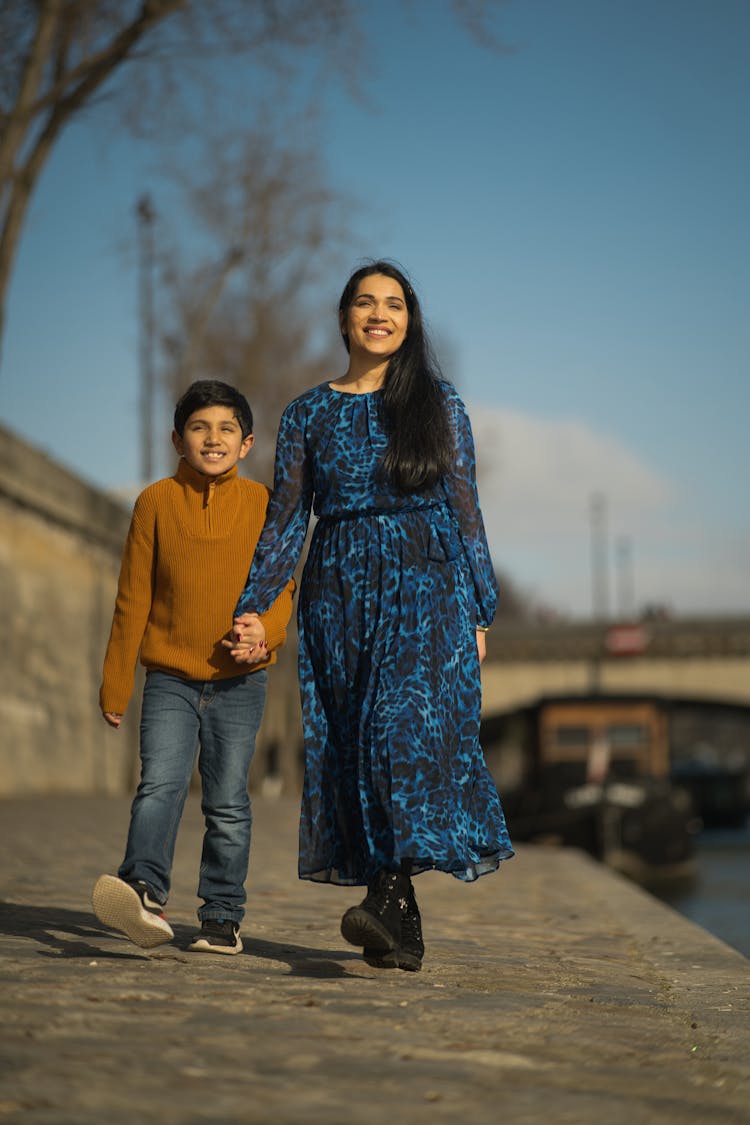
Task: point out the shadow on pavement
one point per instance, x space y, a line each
46 925
302 960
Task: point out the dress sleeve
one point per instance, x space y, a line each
276 619
461 492
288 514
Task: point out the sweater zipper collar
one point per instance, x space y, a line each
199 482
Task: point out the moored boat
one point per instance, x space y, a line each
595 774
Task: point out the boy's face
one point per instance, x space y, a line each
212 441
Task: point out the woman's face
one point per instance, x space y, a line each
377 319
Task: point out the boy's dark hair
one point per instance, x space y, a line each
210 392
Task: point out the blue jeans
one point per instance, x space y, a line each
178 716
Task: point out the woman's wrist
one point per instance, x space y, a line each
482 628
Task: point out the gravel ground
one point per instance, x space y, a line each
551 992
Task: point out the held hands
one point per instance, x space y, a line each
247 640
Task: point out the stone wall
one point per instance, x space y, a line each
60 546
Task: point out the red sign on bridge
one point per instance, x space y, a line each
626 640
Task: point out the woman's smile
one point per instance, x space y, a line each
377 317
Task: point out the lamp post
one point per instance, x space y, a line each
625 576
145 216
599 557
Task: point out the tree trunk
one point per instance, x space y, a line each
21 117
18 183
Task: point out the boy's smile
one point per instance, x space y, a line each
212 441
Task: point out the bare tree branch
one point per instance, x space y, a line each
256 309
62 54
17 182
58 56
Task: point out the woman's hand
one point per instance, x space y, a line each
481 644
112 718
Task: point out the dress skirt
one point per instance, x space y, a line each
389 676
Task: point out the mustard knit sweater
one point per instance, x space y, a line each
185 562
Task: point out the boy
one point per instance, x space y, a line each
186 558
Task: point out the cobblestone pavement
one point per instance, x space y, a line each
551 992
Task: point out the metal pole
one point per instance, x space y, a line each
625 577
599 557
145 216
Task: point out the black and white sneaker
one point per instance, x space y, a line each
217 936
129 908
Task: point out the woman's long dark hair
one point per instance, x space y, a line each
420 446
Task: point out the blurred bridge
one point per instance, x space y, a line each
60 544
702 660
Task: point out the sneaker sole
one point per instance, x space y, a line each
359 927
380 959
394 959
203 945
117 905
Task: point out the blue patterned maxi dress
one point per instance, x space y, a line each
390 594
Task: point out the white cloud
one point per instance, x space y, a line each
536 478
539 467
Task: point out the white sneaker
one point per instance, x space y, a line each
129 908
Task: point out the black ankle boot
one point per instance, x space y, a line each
409 954
376 922
412 945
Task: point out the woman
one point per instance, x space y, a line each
396 595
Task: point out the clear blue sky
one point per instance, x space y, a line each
575 217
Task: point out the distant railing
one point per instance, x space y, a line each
678 638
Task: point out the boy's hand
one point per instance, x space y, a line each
250 654
113 718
